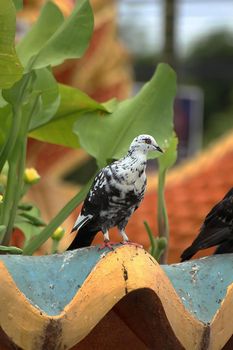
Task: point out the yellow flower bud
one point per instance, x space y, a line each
58 234
1 198
31 176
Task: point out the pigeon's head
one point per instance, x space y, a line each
144 143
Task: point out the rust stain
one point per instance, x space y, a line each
205 338
52 335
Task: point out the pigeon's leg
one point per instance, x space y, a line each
107 243
126 239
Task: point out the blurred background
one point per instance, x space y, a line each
131 36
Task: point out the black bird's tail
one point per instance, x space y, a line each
207 238
188 253
225 248
83 238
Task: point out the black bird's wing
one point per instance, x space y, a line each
216 229
225 247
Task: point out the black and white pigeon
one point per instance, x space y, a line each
115 194
217 229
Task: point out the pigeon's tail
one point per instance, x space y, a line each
81 221
83 238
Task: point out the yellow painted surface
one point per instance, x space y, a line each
22 322
121 271
105 286
222 324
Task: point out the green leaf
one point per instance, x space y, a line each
10 250
10 66
73 104
3 102
18 4
150 112
20 90
5 122
25 206
28 230
50 19
2 230
60 39
36 242
169 157
165 161
27 223
33 220
46 86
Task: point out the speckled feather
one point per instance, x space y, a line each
115 194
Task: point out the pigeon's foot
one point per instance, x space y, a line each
132 243
107 244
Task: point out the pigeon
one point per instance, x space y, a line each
217 229
115 194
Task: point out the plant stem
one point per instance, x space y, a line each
20 159
16 124
17 193
35 243
163 226
8 196
55 245
151 237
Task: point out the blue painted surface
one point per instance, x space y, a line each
50 282
202 284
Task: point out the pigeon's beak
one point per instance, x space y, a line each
157 148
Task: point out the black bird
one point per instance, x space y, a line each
217 229
115 194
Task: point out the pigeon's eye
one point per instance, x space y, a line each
148 141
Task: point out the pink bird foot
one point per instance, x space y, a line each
107 244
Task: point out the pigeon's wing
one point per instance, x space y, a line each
93 203
216 228
97 197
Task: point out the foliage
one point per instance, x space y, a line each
10 67
30 97
159 245
149 112
165 162
37 106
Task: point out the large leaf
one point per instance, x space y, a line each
53 40
168 159
48 22
150 112
10 66
18 4
20 90
46 86
74 103
5 122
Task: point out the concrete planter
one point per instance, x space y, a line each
119 299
